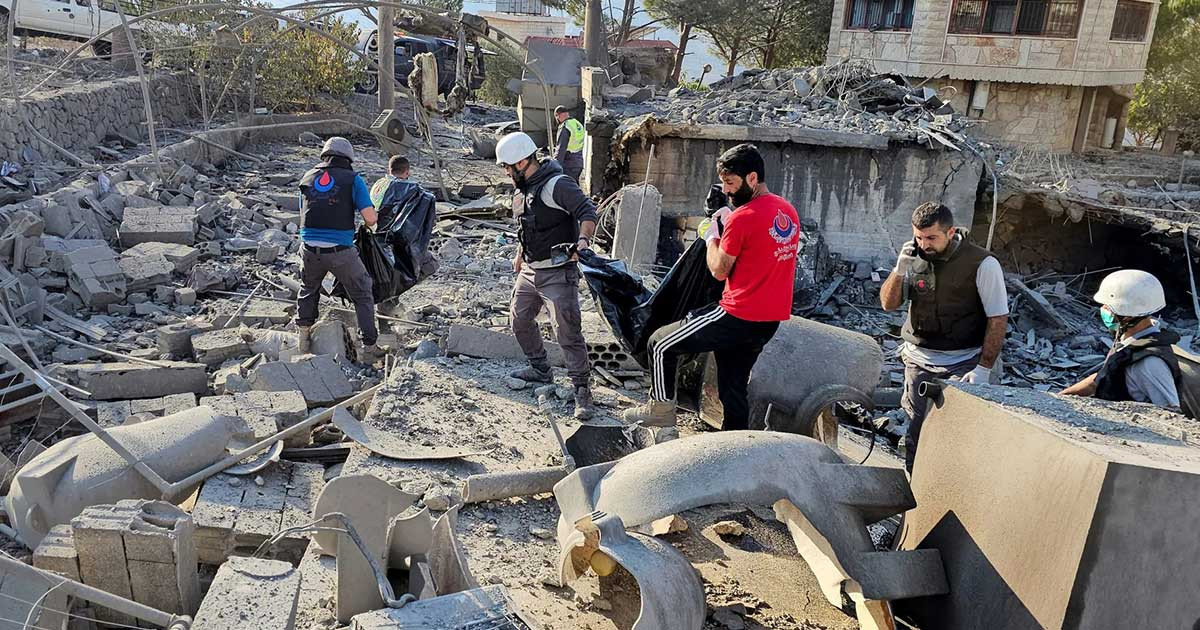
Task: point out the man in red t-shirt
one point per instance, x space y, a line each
752 249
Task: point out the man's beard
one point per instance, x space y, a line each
518 178
741 196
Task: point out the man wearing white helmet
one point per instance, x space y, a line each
1141 365
331 194
556 221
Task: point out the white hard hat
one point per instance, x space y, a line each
1131 293
514 147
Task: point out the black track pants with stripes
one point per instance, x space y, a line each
735 344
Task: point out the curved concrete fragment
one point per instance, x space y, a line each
836 500
56 485
392 445
671 592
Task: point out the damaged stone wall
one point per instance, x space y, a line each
1036 116
861 198
82 116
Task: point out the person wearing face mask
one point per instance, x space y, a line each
556 221
1141 365
751 246
957 313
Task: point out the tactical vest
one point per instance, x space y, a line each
543 224
949 315
578 135
1110 380
327 196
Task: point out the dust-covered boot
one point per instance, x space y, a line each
656 413
534 374
584 409
370 353
305 340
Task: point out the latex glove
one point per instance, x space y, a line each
980 376
715 225
906 258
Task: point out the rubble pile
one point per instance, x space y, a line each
847 96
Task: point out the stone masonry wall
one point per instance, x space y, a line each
862 199
1037 116
79 117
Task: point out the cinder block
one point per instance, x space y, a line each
116 381
144 272
57 553
159 224
93 273
320 379
1055 512
251 593
181 256
217 346
638 220
265 412
115 414
176 339
102 562
474 341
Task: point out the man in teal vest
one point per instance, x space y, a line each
957 314
570 143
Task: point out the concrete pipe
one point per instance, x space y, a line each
803 370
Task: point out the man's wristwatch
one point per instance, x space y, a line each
585 240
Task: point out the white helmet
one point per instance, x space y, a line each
514 147
1131 293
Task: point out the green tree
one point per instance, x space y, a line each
1166 97
500 69
684 16
793 33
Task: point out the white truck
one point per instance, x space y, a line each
67 19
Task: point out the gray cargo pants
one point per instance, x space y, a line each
348 268
917 406
558 290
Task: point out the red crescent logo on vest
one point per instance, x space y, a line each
323 182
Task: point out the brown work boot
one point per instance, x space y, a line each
656 413
584 409
305 340
371 353
533 374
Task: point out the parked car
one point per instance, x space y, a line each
408 47
77 20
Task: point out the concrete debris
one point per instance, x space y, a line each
319 378
218 346
486 605
251 593
93 274
845 96
114 414
159 224
474 341
139 550
729 528
124 380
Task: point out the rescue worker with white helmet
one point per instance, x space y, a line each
1141 365
556 221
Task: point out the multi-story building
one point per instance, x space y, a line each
522 19
1052 74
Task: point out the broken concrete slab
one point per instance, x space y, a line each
265 412
144 547
176 339
1055 512
145 271
476 607
57 248
319 378
638 222
181 256
259 313
124 380
57 485
251 593
218 346
483 343
93 273
159 224
115 414
234 515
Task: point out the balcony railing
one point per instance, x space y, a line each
1037 18
885 15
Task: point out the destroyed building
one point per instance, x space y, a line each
171 460
1056 76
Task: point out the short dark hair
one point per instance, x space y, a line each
398 164
561 110
741 161
932 213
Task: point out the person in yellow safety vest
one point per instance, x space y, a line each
570 143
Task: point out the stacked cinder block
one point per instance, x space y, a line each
159 224
266 412
140 550
115 414
182 256
145 271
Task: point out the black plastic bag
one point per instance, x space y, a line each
633 312
379 263
408 214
